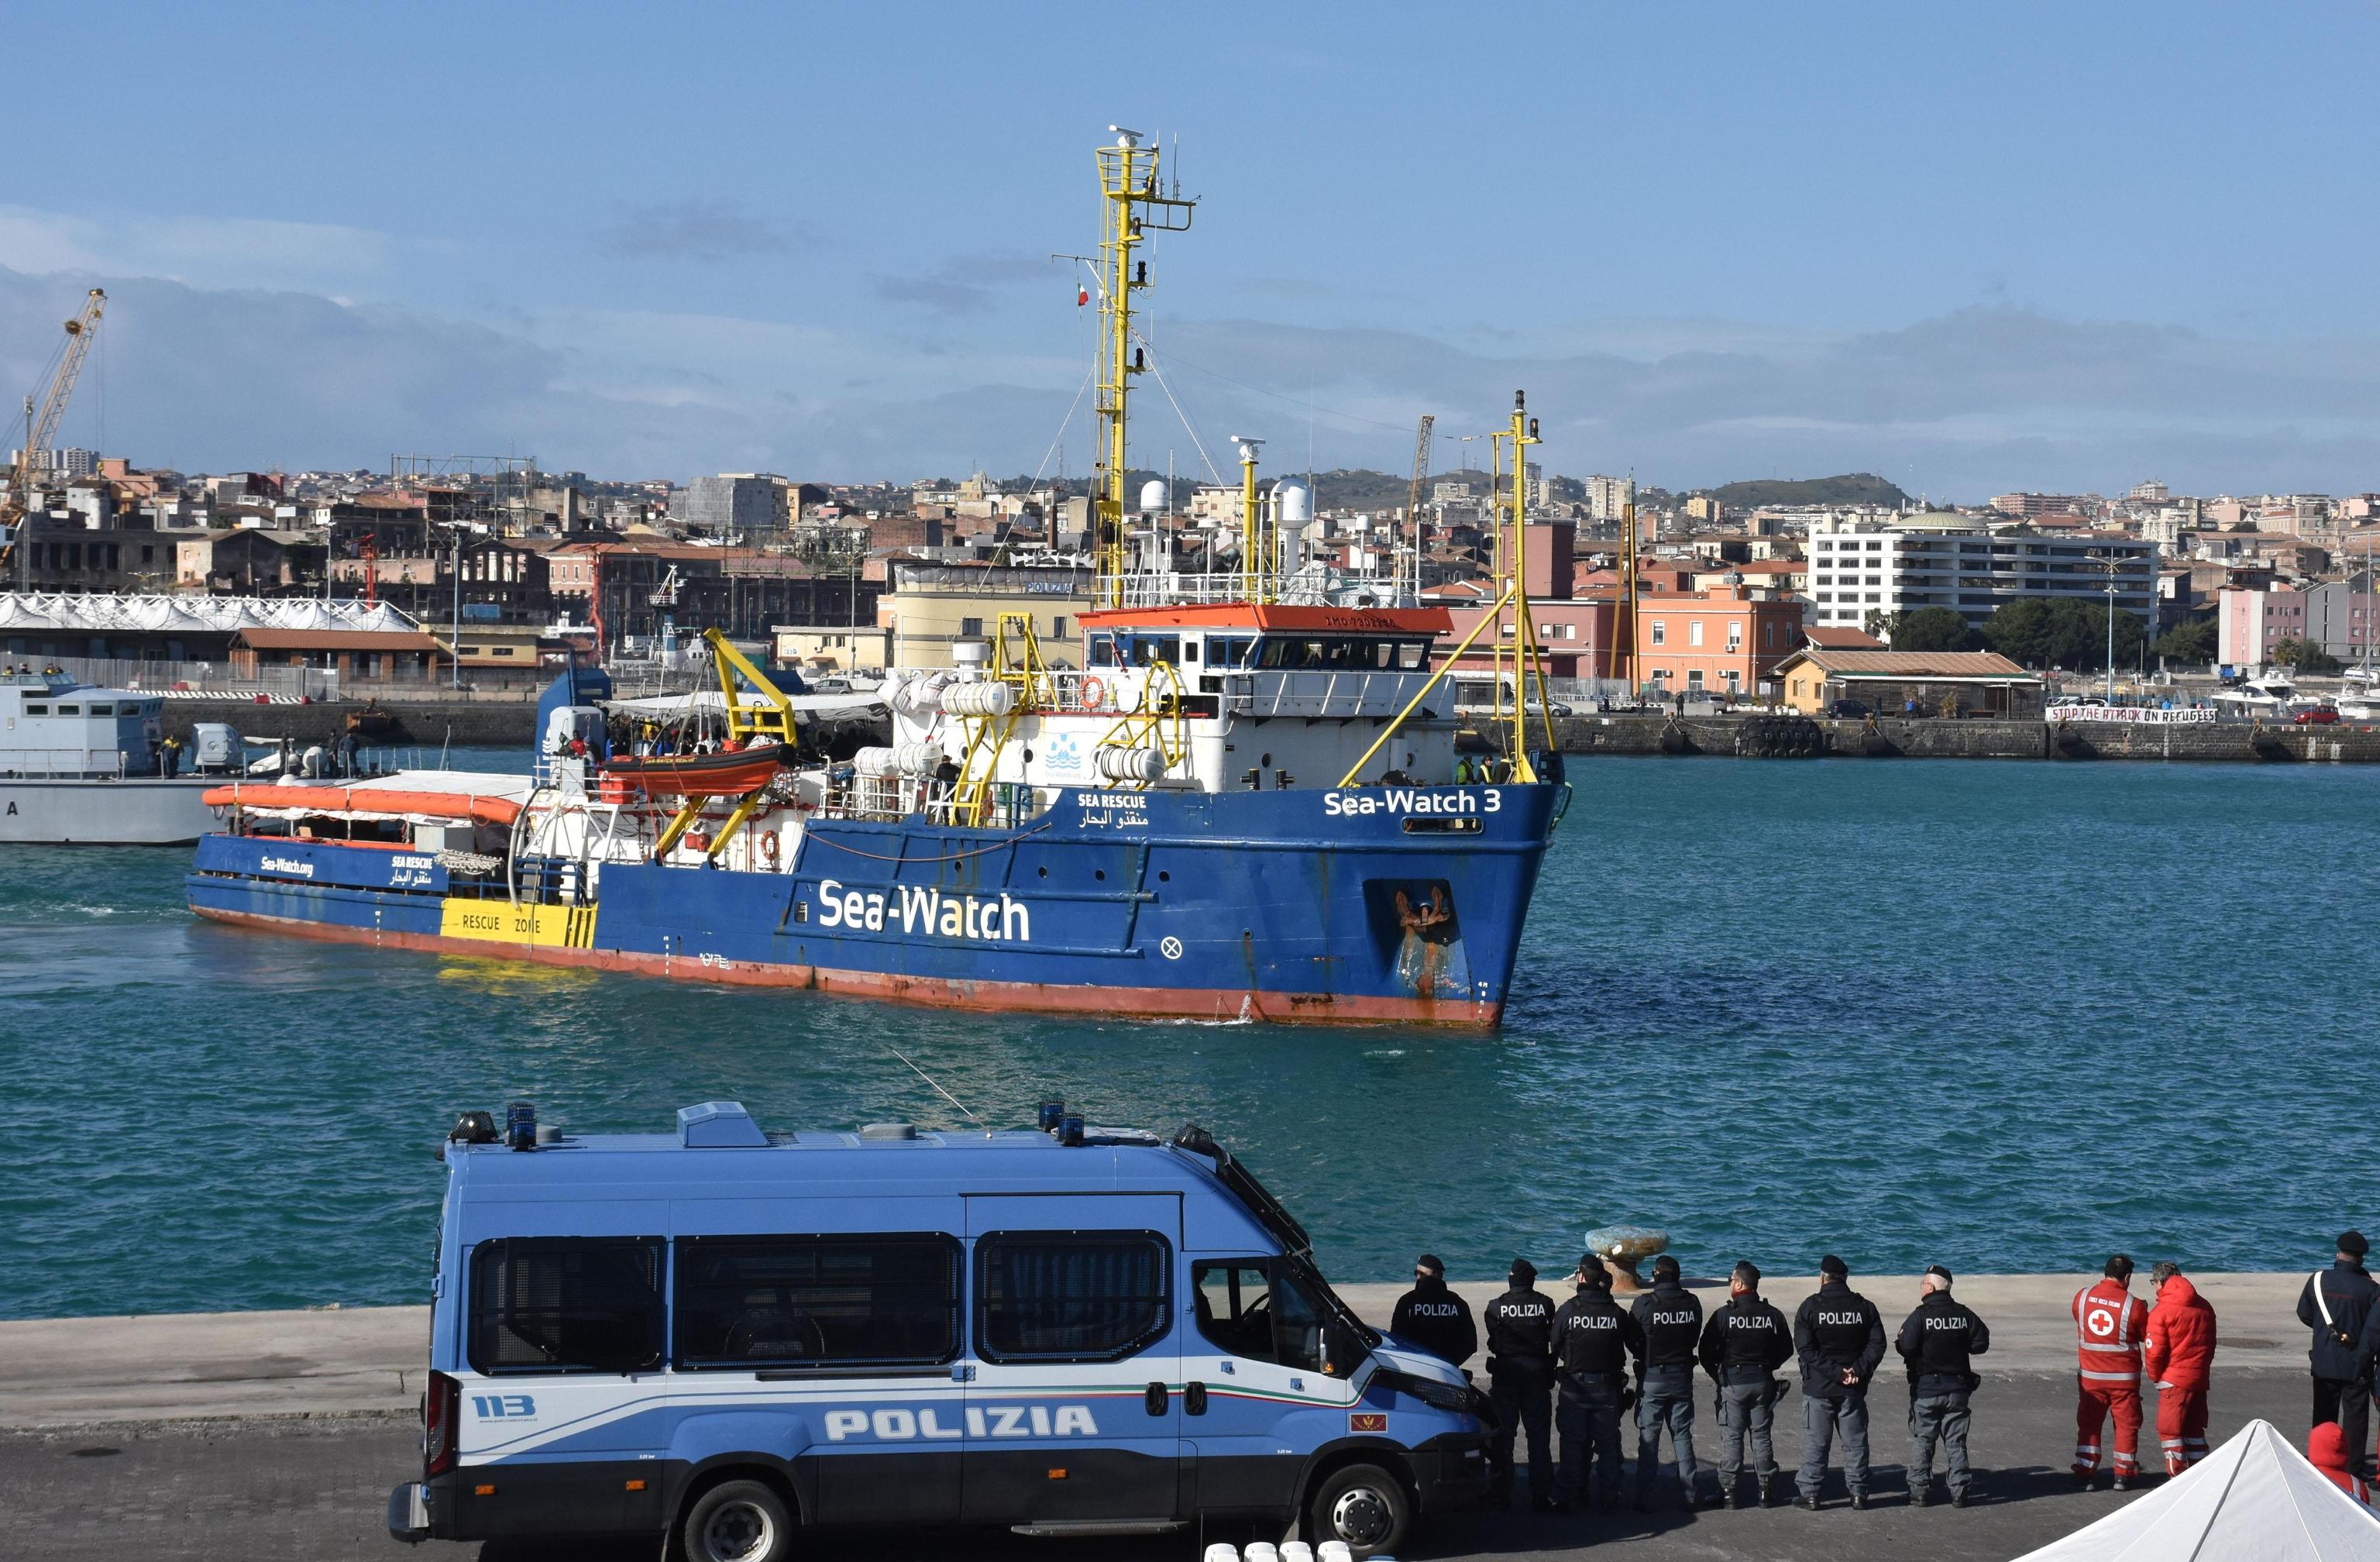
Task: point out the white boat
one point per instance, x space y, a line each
84 766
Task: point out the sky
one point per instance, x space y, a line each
1971 249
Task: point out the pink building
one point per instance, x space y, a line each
2248 623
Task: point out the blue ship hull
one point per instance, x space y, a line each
1379 903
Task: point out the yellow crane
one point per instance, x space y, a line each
33 460
1413 501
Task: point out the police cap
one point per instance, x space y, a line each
1832 1266
1524 1270
1430 1263
1665 1268
2352 1244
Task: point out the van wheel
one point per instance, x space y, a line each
1364 1505
739 1522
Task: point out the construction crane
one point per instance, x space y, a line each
33 460
1421 476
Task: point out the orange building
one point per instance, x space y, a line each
1724 642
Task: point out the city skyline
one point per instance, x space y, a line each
2036 250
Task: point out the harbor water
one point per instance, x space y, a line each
1998 1016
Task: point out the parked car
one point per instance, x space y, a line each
1847 708
2316 715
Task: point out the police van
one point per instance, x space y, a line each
723 1335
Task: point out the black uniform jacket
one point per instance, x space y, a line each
1593 1340
1837 1327
1433 1317
1935 1342
1745 1341
2343 1348
1671 1318
1521 1333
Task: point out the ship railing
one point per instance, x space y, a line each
1320 694
66 765
1181 590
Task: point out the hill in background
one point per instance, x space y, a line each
1851 488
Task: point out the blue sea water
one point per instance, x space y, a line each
1999 1015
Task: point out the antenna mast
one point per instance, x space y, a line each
1135 206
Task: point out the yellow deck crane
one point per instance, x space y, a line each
765 719
33 460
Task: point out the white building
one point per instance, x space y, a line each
1859 567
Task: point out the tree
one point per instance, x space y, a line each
1933 629
2020 631
2305 656
1881 623
2061 632
2191 642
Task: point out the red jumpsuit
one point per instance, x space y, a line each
2179 1359
2109 1322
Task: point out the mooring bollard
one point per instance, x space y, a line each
1334 1551
1222 1551
1260 1551
1296 1551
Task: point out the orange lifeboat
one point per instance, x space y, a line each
729 774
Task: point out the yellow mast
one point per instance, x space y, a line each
1253 571
1128 178
1527 662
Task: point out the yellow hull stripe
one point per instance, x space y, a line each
500 922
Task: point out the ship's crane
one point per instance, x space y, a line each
33 460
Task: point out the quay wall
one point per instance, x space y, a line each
1923 737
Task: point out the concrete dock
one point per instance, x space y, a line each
240 1435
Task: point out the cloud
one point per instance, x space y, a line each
702 229
208 252
1962 405
966 284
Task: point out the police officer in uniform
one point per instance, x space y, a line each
2336 1304
1838 1335
1592 1342
1433 1317
1520 1382
1936 1342
1671 1319
1743 1344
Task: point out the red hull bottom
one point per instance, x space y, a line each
1008 997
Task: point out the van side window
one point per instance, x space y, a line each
1070 1296
1248 1307
769 1302
564 1304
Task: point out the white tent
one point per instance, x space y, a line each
2255 1496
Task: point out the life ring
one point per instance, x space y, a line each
1095 695
769 847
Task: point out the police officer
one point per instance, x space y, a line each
1592 1342
1521 1381
1936 1342
1433 1317
1743 1344
2336 1304
1671 1319
1838 1335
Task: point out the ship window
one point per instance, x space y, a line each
70 710
1229 653
102 710
1147 650
1189 650
816 1300
1413 655
1103 651
37 710
1079 1296
559 1304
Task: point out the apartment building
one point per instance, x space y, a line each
1859 567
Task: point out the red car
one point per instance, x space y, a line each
2316 715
